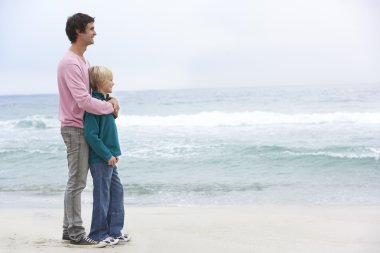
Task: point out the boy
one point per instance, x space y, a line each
101 135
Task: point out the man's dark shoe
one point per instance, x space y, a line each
65 237
86 242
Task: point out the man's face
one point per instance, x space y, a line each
87 37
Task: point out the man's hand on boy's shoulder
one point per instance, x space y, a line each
115 105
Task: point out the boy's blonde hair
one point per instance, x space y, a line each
98 75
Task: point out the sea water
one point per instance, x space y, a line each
260 145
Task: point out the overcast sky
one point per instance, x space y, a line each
172 44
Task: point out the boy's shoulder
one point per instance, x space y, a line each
89 115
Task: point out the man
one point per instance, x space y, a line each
74 100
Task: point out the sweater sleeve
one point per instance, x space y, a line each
91 134
81 95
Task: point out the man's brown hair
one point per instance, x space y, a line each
76 22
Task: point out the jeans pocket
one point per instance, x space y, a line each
71 138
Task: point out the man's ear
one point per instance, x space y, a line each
77 31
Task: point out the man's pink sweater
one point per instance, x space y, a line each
74 92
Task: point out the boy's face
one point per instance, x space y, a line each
107 85
87 37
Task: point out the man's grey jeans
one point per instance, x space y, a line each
77 159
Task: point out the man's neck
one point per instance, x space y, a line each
78 49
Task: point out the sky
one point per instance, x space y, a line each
173 44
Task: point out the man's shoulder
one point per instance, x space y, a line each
68 59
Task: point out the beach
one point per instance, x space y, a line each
250 228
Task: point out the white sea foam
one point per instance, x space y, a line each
34 121
214 119
371 153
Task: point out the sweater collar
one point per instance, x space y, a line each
100 95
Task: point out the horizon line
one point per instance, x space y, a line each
206 88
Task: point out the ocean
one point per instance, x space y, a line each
260 145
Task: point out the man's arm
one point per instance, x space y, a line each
82 97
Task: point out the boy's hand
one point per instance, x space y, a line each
112 161
116 106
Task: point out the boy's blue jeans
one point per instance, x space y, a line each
108 206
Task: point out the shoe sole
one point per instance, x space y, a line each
99 245
124 241
112 243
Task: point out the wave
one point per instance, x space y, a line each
28 150
34 121
368 153
147 189
337 152
241 154
212 119
215 119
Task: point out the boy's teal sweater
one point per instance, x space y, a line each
101 135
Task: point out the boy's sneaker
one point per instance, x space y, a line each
124 238
110 241
86 242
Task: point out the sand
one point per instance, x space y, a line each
235 229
